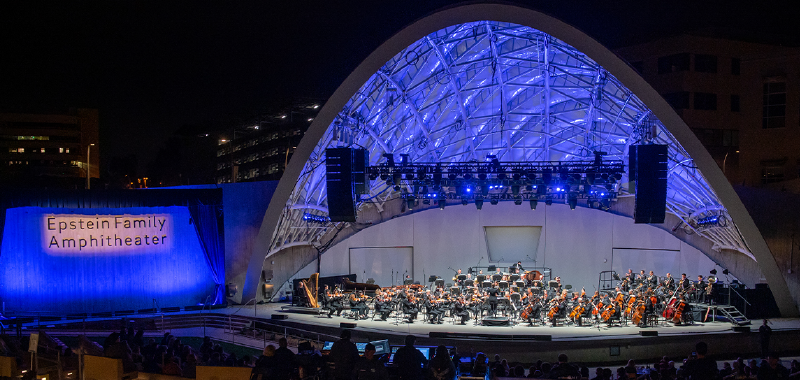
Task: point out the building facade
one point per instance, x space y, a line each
742 100
49 149
260 150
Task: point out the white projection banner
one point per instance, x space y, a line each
72 233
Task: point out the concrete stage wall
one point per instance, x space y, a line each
576 244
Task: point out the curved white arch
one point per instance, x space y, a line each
710 189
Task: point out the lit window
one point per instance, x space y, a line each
42 150
67 150
12 150
60 150
771 173
21 150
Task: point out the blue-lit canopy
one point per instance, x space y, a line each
497 88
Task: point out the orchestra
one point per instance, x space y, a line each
526 297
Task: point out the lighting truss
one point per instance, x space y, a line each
514 181
493 88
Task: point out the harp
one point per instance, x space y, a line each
310 286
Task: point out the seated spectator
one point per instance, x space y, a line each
216 360
369 367
120 350
519 371
265 365
479 367
532 372
190 366
772 368
563 369
284 359
171 366
442 368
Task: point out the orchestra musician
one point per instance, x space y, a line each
700 290
669 282
358 304
383 307
409 307
460 310
652 280
684 284
518 267
431 309
493 291
325 299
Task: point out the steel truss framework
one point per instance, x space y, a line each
494 88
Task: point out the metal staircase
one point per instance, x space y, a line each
728 313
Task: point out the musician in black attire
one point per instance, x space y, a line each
325 299
700 291
518 266
669 282
383 308
684 284
336 305
536 311
460 310
410 309
562 310
434 314
652 279
493 292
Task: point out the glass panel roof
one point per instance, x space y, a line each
496 88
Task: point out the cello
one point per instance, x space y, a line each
639 313
679 312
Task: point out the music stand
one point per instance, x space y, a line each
469 282
432 278
461 277
455 291
486 284
497 277
480 278
408 282
514 277
503 284
439 282
552 284
520 284
492 268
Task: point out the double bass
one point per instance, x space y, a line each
678 312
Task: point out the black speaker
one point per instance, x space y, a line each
347 325
741 329
648 172
648 332
278 316
344 168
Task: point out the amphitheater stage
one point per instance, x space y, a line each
596 345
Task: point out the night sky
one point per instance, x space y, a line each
151 67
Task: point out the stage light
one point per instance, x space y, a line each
464 202
572 200
442 203
397 188
714 271
410 203
493 201
725 272
478 203
482 176
451 176
517 201
548 201
534 202
517 175
515 189
467 176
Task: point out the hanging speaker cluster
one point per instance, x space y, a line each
648 176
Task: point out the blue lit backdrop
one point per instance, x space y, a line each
90 280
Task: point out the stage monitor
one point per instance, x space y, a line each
425 351
327 346
381 346
361 347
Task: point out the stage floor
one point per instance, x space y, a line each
567 333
